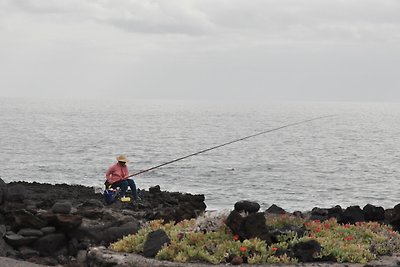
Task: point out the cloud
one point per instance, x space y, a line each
268 20
173 48
169 17
136 16
47 7
308 21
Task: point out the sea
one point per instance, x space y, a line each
351 158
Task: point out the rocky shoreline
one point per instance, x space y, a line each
71 225
57 224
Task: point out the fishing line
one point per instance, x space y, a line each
228 143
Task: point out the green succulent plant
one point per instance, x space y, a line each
214 243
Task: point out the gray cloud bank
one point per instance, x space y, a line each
268 49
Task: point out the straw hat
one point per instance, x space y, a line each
122 158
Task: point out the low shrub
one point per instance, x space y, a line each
360 242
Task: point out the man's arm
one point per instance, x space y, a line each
109 172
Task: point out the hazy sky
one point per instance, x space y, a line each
204 49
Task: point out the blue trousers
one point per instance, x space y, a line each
123 185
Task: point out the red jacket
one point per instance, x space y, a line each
117 172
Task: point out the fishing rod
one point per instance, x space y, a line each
230 142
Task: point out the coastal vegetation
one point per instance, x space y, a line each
208 239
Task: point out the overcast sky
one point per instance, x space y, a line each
341 50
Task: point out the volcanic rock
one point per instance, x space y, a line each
3 191
373 213
235 221
49 244
237 260
247 206
30 232
254 226
249 226
62 207
115 233
352 214
17 240
154 242
68 221
275 209
306 250
16 193
25 219
56 224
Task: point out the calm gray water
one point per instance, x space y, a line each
350 159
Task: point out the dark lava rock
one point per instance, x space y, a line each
87 233
275 209
55 222
352 215
154 242
235 221
30 232
155 189
305 251
16 193
237 260
3 191
254 225
319 212
392 216
28 252
335 212
49 244
4 248
48 230
115 233
26 219
68 221
3 230
247 206
94 203
62 207
248 226
17 240
373 213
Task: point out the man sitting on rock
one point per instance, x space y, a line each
117 176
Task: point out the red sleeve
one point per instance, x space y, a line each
109 171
